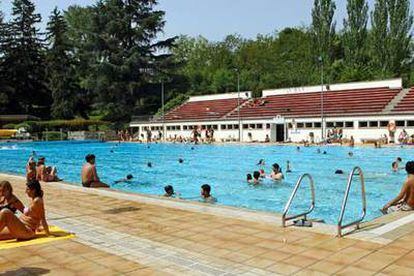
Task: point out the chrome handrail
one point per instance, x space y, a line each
364 201
292 196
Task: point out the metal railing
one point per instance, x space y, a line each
285 218
364 202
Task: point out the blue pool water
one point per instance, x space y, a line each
224 167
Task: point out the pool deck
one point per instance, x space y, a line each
126 234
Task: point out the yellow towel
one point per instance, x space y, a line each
56 234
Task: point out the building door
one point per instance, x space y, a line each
280 132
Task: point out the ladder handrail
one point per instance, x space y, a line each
345 200
292 196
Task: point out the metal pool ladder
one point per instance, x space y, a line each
364 202
285 218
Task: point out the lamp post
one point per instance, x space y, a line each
162 110
322 99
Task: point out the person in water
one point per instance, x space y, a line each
249 178
394 166
261 162
405 199
128 178
169 191
339 171
276 172
262 173
288 169
206 194
256 177
350 154
89 175
8 200
24 227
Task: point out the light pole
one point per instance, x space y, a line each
238 102
162 110
322 98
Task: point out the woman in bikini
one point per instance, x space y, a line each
24 227
7 199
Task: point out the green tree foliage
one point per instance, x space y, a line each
392 22
23 61
323 30
125 53
355 40
60 71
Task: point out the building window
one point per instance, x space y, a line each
299 125
229 126
252 126
267 126
259 126
236 126
317 125
245 126
410 123
184 127
363 124
400 123
308 125
383 123
349 124
290 125
215 127
373 124
339 124
223 126
329 124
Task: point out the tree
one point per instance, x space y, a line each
24 61
391 36
355 36
59 70
126 53
323 30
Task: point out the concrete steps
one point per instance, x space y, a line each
397 99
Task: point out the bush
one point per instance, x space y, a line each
9 126
54 135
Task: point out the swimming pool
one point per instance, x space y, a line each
224 167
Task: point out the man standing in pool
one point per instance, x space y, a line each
89 175
405 199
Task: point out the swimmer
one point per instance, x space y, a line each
262 173
261 162
324 152
276 172
394 166
205 194
149 165
256 177
339 172
249 178
192 148
297 148
169 191
126 179
180 160
111 151
318 151
350 154
288 170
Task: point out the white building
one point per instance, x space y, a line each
363 110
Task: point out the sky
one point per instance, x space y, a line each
215 19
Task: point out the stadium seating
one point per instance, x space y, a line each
203 110
309 104
407 103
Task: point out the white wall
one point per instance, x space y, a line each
394 83
232 95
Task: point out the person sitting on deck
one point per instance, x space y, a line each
276 172
205 194
7 199
405 199
24 227
43 173
89 175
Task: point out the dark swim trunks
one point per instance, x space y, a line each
87 184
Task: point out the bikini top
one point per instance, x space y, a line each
9 206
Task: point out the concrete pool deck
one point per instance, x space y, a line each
119 233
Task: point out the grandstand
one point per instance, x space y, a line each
361 109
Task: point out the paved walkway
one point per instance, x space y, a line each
118 234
